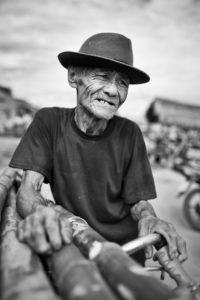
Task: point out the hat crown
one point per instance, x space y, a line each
110 46
106 50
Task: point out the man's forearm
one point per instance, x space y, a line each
142 209
28 200
29 194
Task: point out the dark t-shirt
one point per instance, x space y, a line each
94 177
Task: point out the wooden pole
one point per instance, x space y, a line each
7 178
22 275
177 272
126 277
78 278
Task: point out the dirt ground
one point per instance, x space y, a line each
167 207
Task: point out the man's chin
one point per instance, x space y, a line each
104 116
102 113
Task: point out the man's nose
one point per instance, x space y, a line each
111 89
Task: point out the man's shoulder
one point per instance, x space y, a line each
53 111
126 124
53 115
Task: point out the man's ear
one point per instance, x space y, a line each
72 77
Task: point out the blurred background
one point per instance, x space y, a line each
166 44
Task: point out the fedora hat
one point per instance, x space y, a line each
106 50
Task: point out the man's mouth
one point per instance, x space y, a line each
103 101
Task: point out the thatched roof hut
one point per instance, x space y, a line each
174 113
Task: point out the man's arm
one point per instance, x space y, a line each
45 226
29 194
148 222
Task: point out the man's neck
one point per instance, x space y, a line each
88 123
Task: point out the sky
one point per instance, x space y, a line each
165 35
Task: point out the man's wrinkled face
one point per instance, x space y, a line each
102 91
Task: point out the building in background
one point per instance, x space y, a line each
169 112
15 114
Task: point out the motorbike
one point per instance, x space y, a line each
191 192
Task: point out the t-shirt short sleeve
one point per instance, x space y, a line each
138 183
34 151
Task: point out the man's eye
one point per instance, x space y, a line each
103 76
123 83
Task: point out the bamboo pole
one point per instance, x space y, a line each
177 272
126 277
22 275
141 243
78 278
7 178
75 276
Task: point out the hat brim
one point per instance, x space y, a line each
135 75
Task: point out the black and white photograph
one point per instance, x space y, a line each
99 150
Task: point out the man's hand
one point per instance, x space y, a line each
148 222
176 245
46 229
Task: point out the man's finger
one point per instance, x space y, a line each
182 249
170 238
143 231
38 240
66 230
40 243
53 231
149 252
20 231
143 228
27 228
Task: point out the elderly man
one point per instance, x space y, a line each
96 162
